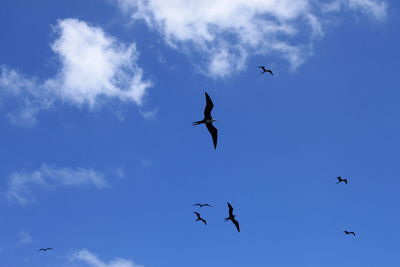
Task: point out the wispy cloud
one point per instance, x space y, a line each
21 184
375 8
94 68
93 260
24 238
225 32
149 114
30 96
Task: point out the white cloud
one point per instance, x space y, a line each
30 96
94 68
377 9
226 32
92 260
95 65
21 183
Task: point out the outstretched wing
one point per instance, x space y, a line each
208 108
207 205
353 233
270 71
345 180
204 221
214 133
198 214
197 204
236 223
230 209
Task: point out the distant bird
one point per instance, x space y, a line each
199 218
208 120
264 70
45 249
349 233
340 179
232 217
202 205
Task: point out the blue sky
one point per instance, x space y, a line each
99 159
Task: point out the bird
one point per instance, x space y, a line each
340 179
199 218
202 205
349 233
45 249
264 70
232 217
208 120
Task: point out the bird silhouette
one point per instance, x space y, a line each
264 70
45 249
340 179
202 205
349 233
232 217
199 218
208 120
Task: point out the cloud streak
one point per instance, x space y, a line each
92 260
375 9
21 184
95 68
224 33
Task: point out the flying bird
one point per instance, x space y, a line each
349 233
202 205
199 218
45 249
264 70
340 179
208 120
232 217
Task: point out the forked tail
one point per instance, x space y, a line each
197 123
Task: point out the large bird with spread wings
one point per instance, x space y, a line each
340 179
264 70
199 218
349 233
45 249
232 217
202 205
208 120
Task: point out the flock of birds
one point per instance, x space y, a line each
208 121
231 216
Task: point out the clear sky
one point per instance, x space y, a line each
99 159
